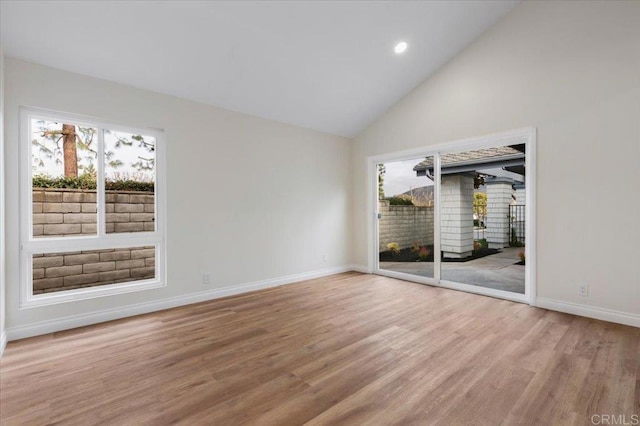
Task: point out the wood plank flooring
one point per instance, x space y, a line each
347 349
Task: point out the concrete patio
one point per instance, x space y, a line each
497 271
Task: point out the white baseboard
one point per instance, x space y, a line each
44 327
3 342
619 317
361 268
51 326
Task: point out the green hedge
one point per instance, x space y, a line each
89 182
129 185
399 201
483 243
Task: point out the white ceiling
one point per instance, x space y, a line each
323 65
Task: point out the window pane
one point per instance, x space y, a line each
130 175
482 227
71 270
63 161
406 205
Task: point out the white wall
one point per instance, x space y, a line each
572 70
279 195
3 335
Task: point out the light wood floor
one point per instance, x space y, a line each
347 349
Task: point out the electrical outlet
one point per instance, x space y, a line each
206 278
325 257
583 290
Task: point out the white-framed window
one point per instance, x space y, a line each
92 208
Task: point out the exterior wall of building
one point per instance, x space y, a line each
520 194
71 270
457 216
499 198
518 221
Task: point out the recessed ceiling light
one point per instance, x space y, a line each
400 47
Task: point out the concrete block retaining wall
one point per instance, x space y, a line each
72 212
405 225
62 212
71 270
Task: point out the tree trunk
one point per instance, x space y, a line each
70 150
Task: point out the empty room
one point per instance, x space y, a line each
319 212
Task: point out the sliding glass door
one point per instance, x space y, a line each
481 243
406 217
458 216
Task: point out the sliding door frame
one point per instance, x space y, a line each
511 137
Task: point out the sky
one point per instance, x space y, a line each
400 177
128 155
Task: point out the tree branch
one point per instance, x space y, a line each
55 132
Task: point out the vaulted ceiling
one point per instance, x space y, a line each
324 65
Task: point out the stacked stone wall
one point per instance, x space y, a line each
73 212
457 216
404 225
71 270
